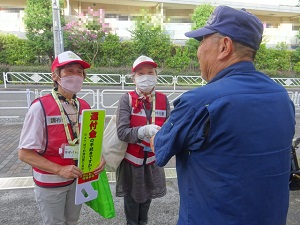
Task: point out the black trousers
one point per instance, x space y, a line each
136 213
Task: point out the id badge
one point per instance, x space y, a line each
69 152
147 149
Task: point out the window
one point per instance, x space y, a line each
180 20
296 27
110 15
11 10
271 25
123 18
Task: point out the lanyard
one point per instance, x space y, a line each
63 116
153 110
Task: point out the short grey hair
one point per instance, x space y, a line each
240 49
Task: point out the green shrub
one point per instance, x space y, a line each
278 73
15 51
180 60
273 59
297 68
41 69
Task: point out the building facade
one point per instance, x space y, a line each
281 22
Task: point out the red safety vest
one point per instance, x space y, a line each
55 137
135 153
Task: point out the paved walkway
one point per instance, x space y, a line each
10 165
18 205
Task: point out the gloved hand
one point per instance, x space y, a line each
147 131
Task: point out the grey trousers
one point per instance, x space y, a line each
57 205
136 213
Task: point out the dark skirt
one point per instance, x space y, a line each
142 183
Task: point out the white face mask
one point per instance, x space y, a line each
146 83
71 84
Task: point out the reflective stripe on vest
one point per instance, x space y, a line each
139 161
54 120
49 178
159 113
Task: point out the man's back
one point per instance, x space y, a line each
238 173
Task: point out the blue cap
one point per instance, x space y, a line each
240 25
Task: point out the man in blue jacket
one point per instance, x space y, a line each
232 137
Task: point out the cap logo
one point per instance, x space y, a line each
143 58
67 56
211 19
72 55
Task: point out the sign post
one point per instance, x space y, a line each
57 31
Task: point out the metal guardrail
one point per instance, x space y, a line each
112 79
190 80
106 99
295 97
11 107
287 82
123 80
87 94
102 79
26 102
21 77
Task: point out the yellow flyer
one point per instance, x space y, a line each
90 148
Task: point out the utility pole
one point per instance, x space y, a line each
57 32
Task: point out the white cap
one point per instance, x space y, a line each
143 60
67 57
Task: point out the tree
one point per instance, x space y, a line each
111 49
199 18
86 34
39 26
150 39
84 42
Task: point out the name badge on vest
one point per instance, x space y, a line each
69 152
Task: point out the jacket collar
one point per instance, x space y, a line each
236 68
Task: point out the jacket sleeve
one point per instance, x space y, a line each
185 130
123 113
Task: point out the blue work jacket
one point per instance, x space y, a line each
232 140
